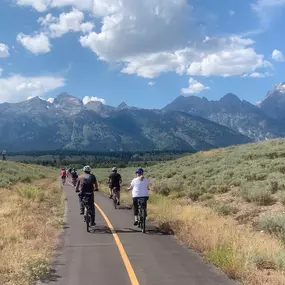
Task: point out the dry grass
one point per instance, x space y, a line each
251 257
31 216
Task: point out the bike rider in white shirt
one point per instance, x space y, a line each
140 189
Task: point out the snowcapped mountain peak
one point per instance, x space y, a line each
279 88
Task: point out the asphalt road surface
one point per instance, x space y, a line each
116 252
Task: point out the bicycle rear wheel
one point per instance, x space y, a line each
87 219
115 201
143 220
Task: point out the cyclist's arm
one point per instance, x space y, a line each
120 181
95 183
131 185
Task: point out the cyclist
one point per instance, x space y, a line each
69 171
140 189
74 176
63 175
115 180
85 186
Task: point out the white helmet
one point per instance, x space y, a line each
114 169
87 168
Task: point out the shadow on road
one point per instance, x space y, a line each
124 207
151 230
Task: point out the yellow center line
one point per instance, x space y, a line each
129 268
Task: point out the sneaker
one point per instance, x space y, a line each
118 203
93 224
136 221
111 196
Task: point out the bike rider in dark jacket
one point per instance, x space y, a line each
85 186
115 180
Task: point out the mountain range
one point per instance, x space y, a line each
188 123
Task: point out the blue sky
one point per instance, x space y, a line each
144 52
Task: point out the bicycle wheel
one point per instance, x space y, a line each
115 201
139 219
87 218
143 220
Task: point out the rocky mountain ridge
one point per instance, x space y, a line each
188 123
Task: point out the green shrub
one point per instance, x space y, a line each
282 197
262 262
274 186
257 193
161 189
30 192
206 196
219 189
222 209
280 259
194 194
272 223
225 258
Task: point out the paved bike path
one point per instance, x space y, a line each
94 258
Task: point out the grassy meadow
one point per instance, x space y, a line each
31 216
229 204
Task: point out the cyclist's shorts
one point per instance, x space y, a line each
116 188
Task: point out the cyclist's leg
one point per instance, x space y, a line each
146 199
119 196
81 204
136 210
92 207
111 191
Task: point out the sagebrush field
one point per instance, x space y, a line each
228 203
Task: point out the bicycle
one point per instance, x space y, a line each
87 210
74 181
142 213
115 197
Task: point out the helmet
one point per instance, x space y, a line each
114 169
139 171
87 168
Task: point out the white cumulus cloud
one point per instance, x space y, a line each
66 22
129 34
130 30
44 5
194 87
4 50
39 5
277 55
88 99
266 9
37 44
17 87
151 83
